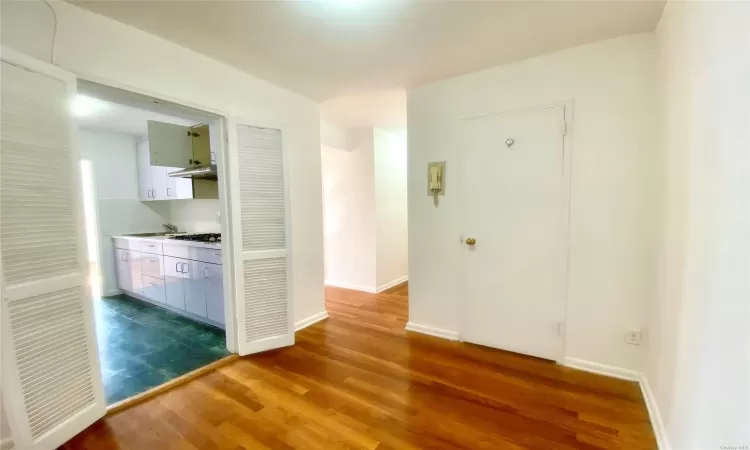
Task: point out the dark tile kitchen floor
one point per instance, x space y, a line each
142 346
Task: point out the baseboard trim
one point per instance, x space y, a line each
6 444
353 287
602 369
657 425
660 432
432 331
392 283
112 293
306 322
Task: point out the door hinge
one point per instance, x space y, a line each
565 128
560 328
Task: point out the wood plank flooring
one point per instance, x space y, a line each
358 380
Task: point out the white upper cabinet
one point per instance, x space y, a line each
154 182
180 146
171 145
145 178
178 187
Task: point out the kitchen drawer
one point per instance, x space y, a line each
208 255
152 265
176 250
122 243
153 289
154 248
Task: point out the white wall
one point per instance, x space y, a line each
100 49
364 203
390 209
349 208
612 211
195 216
698 364
120 210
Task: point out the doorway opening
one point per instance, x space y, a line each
364 175
92 228
150 173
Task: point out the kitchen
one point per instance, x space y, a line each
151 198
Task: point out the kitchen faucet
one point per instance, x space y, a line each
169 227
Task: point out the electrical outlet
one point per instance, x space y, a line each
634 336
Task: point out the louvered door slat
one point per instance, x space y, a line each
51 380
263 278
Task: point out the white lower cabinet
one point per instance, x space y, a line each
123 269
180 283
195 294
128 270
214 291
175 280
153 289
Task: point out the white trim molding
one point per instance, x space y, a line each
432 331
353 287
306 322
602 369
392 283
6 444
657 424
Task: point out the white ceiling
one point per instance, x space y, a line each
324 49
102 115
384 108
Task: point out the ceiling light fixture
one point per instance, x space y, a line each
85 106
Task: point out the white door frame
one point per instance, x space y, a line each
227 259
564 219
13 400
225 201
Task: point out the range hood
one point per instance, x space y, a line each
204 173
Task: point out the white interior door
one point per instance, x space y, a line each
51 382
513 198
259 236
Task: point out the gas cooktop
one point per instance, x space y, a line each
199 237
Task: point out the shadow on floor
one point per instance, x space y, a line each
142 346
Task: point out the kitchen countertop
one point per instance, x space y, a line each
166 240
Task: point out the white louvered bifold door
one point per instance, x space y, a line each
50 371
260 238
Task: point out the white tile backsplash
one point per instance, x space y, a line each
195 216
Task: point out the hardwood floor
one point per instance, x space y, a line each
358 380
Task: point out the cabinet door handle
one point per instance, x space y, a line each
169 194
184 268
177 267
152 284
205 272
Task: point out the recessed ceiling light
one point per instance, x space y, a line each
85 106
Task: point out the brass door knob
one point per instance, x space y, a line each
471 241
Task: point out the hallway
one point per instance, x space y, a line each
358 380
